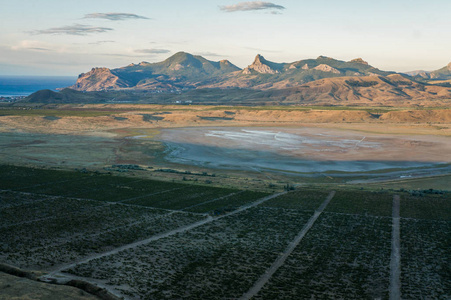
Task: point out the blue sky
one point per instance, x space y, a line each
47 37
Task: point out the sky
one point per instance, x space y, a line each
55 37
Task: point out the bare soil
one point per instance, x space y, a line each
12 287
436 121
343 140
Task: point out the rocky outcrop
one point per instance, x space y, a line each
261 65
359 61
326 68
98 79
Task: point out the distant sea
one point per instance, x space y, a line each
13 86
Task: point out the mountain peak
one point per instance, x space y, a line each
449 66
359 61
179 56
226 62
259 59
261 65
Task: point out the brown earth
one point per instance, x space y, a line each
386 90
12 288
132 140
433 121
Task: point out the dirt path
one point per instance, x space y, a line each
48 183
57 272
213 200
152 194
395 259
83 211
281 259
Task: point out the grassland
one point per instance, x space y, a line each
83 110
433 182
147 239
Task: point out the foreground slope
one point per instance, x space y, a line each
201 242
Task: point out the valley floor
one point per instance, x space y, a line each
204 207
276 144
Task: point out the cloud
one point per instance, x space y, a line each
39 49
32 45
76 29
114 16
152 51
252 5
101 42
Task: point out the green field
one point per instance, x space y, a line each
434 182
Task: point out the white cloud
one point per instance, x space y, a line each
101 42
114 16
76 29
32 45
251 5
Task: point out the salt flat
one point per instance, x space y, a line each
303 150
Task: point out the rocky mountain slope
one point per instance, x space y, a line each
186 78
186 71
182 70
393 90
372 90
440 74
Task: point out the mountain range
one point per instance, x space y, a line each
187 71
318 81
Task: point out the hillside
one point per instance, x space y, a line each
440 74
65 96
392 89
375 90
443 73
182 70
186 78
185 71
